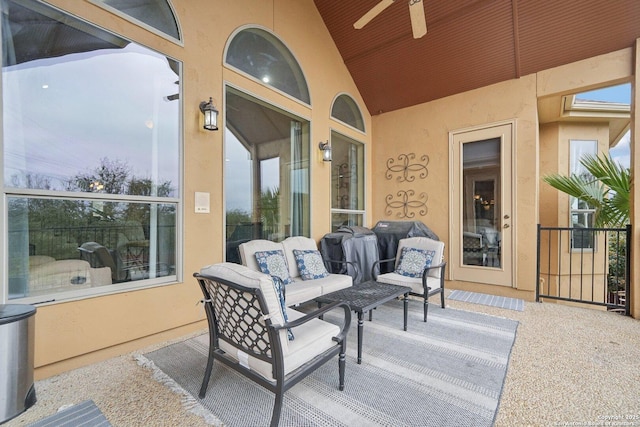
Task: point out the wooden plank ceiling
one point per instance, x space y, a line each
470 43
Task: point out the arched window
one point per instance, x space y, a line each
346 110
157 14
261 55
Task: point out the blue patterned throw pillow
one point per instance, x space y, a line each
310 264
279 287
413 261
274 264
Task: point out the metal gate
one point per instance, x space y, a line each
585 265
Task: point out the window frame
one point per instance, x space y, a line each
259 81
362 213
143 24
272 102
177 201
354 104
574 168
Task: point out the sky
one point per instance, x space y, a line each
621 93
63 115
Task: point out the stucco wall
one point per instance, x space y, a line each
424 130
80 332
71 334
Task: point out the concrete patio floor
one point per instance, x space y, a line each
569 366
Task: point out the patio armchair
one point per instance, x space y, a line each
473 251
419 264
252 331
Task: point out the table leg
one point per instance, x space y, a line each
406 309
360 330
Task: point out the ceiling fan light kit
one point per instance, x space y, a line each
416 11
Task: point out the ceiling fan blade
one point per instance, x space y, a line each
418 20
375 11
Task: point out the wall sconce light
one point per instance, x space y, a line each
326 151
210 115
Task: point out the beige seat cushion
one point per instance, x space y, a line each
301 291
414 282
62 273
312 338
433 276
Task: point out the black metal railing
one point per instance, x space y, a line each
585 265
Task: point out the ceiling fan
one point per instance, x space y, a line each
418 21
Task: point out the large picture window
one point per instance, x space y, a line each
91 156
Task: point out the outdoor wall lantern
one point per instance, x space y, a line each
210 115
326 151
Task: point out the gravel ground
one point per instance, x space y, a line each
569 367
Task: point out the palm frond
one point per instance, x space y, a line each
607 190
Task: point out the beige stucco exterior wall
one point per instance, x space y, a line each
605 70
75 333
554 144
424 130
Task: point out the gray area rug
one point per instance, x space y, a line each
485 299
85 414
446 372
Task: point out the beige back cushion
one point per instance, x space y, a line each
297 242
427 244
248 251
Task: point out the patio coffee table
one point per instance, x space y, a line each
365 297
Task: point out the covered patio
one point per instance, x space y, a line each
501 73
568 365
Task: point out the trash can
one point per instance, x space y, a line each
17 392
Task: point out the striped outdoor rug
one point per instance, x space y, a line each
446 372
490 300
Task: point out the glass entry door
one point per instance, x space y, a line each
481 206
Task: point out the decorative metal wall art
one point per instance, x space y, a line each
407 204
405 166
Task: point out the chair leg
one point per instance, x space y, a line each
341 366
442 297
277 408
207 375
426 306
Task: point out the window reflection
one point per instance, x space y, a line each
70 107
91 156
266 173
346 110
347 182
261 55
66 245
481 237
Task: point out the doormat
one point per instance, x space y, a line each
85 414
490 300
